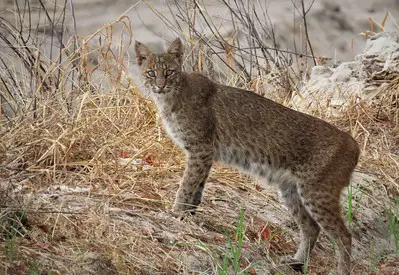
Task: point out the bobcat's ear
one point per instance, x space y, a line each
142 52
176 49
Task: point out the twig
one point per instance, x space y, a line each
303 14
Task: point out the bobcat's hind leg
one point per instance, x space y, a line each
322 200
308 226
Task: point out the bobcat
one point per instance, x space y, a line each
309 160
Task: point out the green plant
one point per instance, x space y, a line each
11 249
394 225
354 193
349 215
305 268
11 232
233 253
35 268
374 259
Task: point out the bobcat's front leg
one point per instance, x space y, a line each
189 194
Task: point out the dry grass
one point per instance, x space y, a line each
88 175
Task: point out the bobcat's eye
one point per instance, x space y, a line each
169 72
151 73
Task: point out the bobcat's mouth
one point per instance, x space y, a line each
161 91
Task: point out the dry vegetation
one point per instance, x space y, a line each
88 175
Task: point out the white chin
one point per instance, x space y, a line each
160 91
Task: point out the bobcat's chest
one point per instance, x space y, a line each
176 129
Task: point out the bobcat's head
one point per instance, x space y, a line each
161 73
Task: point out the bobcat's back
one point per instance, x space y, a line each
256 132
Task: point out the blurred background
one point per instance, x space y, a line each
334 27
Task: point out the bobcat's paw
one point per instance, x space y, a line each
181 210
293 263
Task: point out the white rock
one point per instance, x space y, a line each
320 72
382 44
332 89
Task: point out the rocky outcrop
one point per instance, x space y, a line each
361 79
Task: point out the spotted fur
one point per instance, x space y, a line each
309 160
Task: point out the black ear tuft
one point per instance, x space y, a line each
176 49
142 52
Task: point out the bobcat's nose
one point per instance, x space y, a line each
161 83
